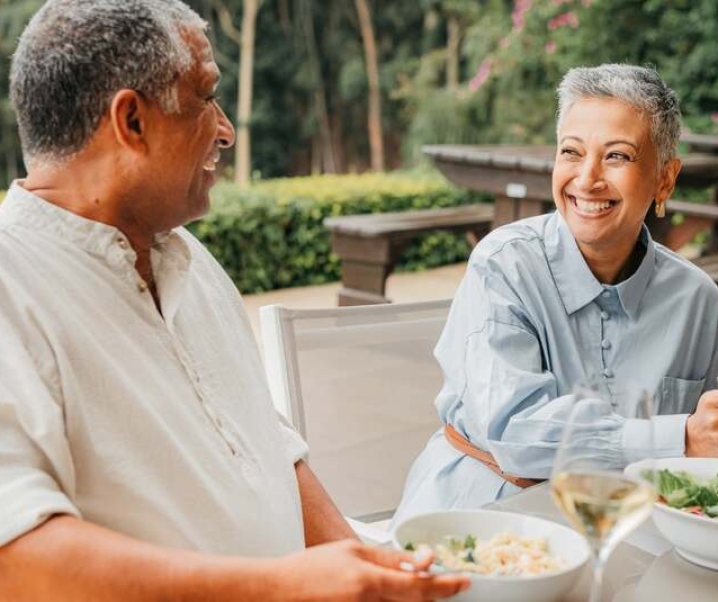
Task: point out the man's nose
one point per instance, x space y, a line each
225 130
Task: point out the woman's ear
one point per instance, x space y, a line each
667 179
128 116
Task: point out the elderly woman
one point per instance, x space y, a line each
582 293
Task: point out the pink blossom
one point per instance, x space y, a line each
550 47
714 117
518 15
482 74
569 18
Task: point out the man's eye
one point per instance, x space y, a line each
211 98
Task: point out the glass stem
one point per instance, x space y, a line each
598 563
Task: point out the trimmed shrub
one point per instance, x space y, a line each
271 235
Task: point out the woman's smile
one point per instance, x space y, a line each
591 208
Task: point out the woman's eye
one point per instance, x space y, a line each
568 151
618 156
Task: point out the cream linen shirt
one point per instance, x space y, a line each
158 426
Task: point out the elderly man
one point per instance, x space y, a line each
140 457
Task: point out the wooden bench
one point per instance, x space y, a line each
369 245
709 264
697 217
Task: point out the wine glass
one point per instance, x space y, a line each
588 483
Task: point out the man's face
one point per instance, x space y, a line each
184 146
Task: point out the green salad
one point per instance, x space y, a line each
686 492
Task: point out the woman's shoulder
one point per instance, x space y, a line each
519 240
677 270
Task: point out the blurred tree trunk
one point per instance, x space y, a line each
453 46
243 156
244 38
325 147
376 141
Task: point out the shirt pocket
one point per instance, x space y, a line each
678 395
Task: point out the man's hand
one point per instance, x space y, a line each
348 571
702 427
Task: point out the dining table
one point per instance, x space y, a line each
643 568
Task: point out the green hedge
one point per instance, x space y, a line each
271 235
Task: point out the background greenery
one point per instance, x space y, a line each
450 71
509 58
271 235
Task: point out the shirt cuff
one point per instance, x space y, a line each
669 435
296 448
30 511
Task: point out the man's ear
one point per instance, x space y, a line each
667 180
128 116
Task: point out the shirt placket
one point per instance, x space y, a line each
220 425
608 305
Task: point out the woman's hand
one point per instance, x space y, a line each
348 571
702 427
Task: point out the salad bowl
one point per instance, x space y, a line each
563 543
686 512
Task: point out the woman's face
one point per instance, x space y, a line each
606 175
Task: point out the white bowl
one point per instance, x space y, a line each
563 542
695 537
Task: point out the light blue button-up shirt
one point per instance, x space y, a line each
528 323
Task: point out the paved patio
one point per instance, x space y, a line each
439 283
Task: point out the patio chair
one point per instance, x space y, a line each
358 383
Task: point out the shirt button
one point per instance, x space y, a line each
141 286
608 373
605 344
605 315
122 243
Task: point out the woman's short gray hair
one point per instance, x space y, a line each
640 87
73 57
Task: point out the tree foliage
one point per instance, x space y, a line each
450 71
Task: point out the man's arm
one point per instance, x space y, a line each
322 520
66 559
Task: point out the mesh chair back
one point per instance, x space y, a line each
358 383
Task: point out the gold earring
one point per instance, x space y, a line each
660 209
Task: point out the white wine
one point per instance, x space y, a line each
604 506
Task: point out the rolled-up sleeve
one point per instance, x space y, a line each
296 448
36 470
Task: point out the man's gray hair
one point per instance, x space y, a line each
75 55
640 87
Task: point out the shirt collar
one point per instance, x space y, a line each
631 290
575 282
28 210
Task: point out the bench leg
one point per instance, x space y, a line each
364 283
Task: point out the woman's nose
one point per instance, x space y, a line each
589 176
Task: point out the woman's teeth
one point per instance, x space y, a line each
593 206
